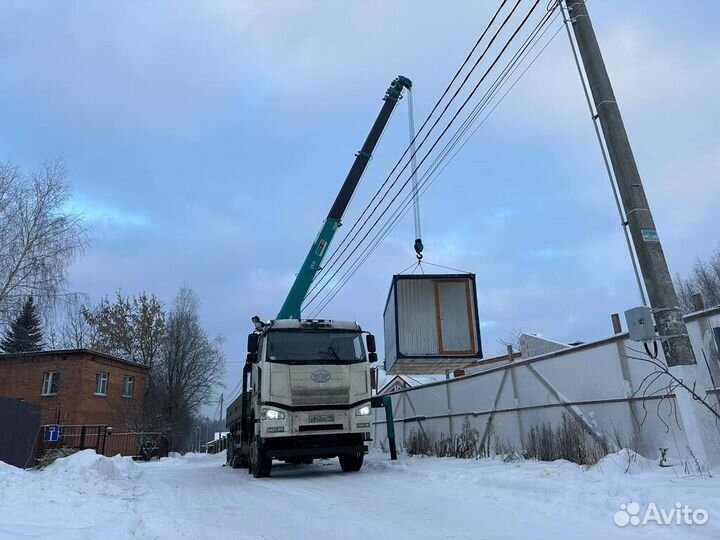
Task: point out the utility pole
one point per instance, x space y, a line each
656 275
221 411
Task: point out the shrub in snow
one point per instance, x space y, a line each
567 441
465 444
51 455
417 444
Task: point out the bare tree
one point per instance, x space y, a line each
685 289
191 365
39 236
131 327
512 338
661 383
704 279
65 325
75 331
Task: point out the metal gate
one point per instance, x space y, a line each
19 425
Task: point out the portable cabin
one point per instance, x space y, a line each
431 324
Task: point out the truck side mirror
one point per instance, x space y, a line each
372 357
370 340
252 343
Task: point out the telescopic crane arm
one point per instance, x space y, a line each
293 303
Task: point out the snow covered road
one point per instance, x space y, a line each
91 497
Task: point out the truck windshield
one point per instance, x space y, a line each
315 348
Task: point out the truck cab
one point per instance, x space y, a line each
306 395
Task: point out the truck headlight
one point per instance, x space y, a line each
363 411
272 414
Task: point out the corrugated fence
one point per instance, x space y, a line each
603 385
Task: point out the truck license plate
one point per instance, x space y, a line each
321 418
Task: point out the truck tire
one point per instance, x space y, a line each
239 460
260 463
351 462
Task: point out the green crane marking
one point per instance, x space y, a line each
291 308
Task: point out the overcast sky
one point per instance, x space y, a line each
206 141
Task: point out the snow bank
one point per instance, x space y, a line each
88 462
8 469
626 461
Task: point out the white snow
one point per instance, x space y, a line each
86 496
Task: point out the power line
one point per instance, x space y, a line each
426 183
452 120
338 251
441 161
429 152
427 180
463 128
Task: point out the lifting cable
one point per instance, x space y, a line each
430 176
439 137
421 184
441 162
414 175
339 251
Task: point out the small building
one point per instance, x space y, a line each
533 345
76 386
431 324
397 383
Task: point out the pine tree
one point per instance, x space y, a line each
25 333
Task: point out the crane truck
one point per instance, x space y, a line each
305 389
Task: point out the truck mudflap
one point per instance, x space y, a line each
315 446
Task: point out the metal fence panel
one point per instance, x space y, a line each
19 427
602 385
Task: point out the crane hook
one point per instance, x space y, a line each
418 248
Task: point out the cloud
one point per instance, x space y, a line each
106 218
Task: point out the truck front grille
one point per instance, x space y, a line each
321 427
320 396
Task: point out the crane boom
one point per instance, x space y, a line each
293 303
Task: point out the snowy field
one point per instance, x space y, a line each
87 496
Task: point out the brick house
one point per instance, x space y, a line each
77 386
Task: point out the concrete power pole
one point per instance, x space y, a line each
221 410
699 427
656 276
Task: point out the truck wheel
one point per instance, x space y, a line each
260 463
351 462
238 460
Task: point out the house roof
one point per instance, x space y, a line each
407 380
57 352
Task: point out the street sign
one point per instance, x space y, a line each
52 433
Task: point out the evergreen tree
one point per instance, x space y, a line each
25 333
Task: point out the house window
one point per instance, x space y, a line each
50 383
128 383
101 383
